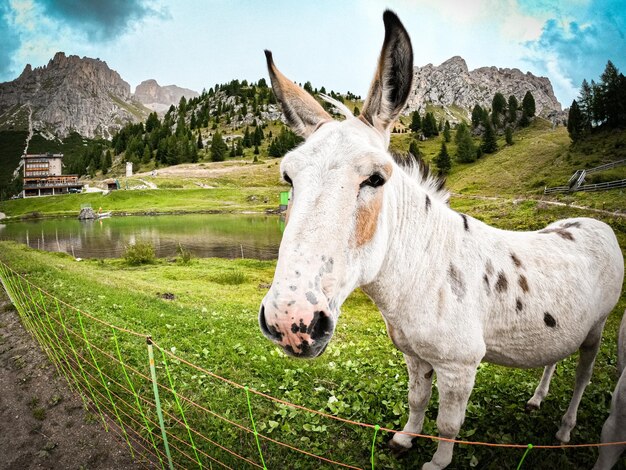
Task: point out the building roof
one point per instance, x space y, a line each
44 155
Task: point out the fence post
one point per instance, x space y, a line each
157 401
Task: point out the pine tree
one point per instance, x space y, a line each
528 104
465 149
256 150
508 135
356 112
513 105
585 103
247 138
416 121
575 122
199 144
414 149
498 105
239 148
218 147
147 154
446 132
489 143
442 160
477 116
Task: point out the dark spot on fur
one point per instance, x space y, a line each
310 296
519 306
456 282
294 327
516 261
502 284
465 222
297 273
571 224
427 203
429 374
486 281
564 234
290 303
489 268
549 320
523 283
323 258
293 288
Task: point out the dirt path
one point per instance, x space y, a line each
43 424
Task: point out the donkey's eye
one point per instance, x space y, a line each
287 179
374 181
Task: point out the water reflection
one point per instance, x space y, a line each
205 235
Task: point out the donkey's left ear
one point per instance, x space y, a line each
390 88
303 113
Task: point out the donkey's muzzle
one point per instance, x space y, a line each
299 339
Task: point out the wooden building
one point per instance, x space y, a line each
43 176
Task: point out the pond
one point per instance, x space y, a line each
205 235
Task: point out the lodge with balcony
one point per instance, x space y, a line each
43 176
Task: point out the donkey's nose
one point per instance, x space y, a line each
269 331
320 326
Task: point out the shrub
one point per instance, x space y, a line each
184 254
139 253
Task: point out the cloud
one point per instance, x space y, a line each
10 41
101 19
579 44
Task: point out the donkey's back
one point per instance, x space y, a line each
549 291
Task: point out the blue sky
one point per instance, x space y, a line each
195 44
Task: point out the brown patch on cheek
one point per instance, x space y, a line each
287 212
367 220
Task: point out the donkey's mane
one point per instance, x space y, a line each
342 108
417 168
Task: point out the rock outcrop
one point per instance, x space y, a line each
160 98
452 84
69 94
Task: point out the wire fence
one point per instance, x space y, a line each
141 391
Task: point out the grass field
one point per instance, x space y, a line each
212 322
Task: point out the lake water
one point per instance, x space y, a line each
205 235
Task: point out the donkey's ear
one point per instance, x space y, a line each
390 88
303 113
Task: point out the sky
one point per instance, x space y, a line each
198 43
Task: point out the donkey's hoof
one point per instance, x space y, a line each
563 436
530 407
397 449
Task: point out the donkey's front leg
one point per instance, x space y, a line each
455 383
420 388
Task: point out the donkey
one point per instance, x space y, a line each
452 290
614 429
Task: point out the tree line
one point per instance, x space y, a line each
599 105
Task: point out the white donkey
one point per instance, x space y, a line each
614 429
452 290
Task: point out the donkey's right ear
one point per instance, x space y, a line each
303 113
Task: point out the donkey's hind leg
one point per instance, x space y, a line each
542 389
420 388
588 351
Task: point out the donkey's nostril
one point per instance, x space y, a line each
268 331
320 326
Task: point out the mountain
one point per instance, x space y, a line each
160 98
70 94
452 84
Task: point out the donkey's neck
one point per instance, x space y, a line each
423 238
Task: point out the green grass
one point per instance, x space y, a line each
213 324
149 202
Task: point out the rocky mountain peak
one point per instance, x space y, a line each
69 94
160 98
452 84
